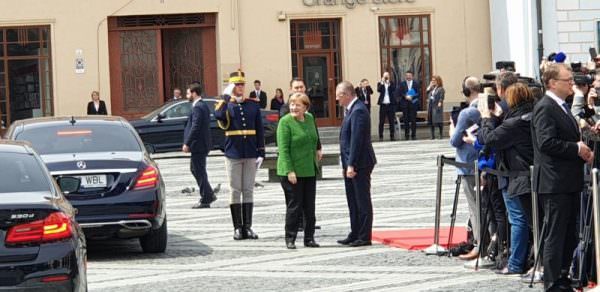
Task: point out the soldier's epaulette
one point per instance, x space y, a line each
219 104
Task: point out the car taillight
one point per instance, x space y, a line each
272 118
56 226
147 179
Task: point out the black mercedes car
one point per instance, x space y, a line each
122 194
162 129
42 248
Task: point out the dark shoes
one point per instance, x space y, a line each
247 221
236 217
201 205
238 234
346 241
289 243
311 243
359 242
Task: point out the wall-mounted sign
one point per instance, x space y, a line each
350 4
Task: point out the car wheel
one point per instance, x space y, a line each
150 148
156 240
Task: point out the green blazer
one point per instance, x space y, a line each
297 145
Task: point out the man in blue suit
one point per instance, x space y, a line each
197 141
409 93
358 161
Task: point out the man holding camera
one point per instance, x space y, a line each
387 104
466 153
559 156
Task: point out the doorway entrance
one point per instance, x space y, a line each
316 59
151 55
25 74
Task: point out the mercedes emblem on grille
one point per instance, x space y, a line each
81 164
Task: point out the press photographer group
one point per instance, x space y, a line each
525 150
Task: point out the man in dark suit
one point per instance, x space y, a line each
559 155
197 140
358 161
409 93
258 95
387 104
364 92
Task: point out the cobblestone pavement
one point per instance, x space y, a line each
202 256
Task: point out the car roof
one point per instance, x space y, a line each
80 120
9 146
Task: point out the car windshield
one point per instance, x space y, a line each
80 139
22 173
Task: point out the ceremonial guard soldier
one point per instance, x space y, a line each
244 152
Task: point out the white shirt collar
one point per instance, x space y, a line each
557 99
352 103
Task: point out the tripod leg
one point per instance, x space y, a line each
453 215
539 250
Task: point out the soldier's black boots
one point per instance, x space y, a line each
236 217
247 221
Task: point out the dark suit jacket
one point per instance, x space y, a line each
355 138
91 109
197 129
391 91
403 89
262 98
557 167
362 96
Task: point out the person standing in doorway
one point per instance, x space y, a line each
364 92
387 105
410 98
96 106
258 95
435 108
197 141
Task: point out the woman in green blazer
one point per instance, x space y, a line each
297 167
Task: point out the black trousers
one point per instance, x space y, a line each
409 114
560 238
492 203
387 111
300 200
358 196
198 168
432 127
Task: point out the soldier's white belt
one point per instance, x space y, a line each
240 133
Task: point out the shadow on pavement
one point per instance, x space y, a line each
130 249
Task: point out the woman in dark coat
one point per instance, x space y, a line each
511 138
277 101
96 106
435 108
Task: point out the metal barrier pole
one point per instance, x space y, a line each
435 248
534 216
479 219
596 209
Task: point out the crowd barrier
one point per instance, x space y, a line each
436 248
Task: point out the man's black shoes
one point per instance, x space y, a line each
346 241
359 242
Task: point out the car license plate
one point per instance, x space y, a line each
93 181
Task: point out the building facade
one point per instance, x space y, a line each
53 54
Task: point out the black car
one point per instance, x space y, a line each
122 194
42 248
162 129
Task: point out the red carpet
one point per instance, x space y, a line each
418 239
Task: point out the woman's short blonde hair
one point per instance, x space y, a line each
517 94
300 97
96 92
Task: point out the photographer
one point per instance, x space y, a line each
511 138
466 153
387 104
584 107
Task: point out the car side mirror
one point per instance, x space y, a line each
160 117
68 184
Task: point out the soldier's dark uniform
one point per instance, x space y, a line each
244 143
